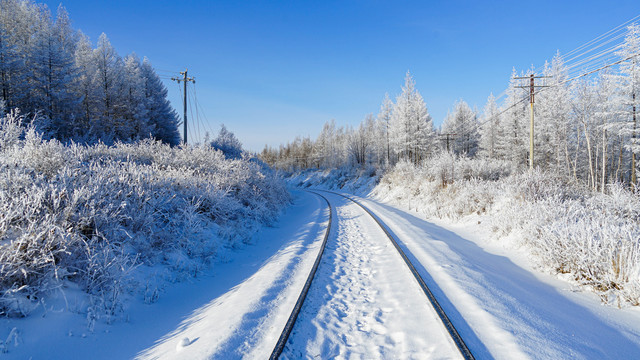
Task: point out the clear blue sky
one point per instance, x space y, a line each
271 70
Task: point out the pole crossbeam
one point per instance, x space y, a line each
185 79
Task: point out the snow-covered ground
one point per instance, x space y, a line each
500 304
237 309
364 302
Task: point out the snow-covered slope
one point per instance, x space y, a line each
235 309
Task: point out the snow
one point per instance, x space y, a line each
364 302
504 306
237 309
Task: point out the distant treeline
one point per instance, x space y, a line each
71 90
586 127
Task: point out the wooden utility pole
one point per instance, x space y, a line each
532 89
446 138
184 79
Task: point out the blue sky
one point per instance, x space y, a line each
272 70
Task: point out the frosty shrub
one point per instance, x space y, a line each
354 180
592 238
93 215
445 186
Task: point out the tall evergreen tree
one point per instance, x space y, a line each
163 119
463 122
490 130
411 132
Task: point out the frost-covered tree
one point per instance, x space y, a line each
108 81
630 95
136 115
411 130
50 70
53 70
162 118
463 122
490 130
513 144
553 106
362 144
228 143
384 121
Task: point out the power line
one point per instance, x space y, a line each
206 123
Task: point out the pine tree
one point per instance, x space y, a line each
463 122
227 142
490 129
384 120
108 80
630 88
513 145
411 130
136 115
163 119
52 71
553 105
84 89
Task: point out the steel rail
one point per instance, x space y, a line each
457 339
284 336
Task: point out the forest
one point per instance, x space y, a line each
72 91
585 126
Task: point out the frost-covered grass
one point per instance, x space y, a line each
360 181
95 216
591 238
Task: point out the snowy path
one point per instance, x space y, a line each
504 309
364 302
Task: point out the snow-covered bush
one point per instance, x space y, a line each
354 180
593 238
228 143
92 215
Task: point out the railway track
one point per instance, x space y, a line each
451 330
284 336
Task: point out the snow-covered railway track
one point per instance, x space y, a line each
455 337
282 340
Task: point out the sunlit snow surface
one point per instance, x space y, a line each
362 305
364 302
505 308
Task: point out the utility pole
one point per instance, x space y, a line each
447 137
184 79
532 89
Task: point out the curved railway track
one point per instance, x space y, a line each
284 336
451 330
